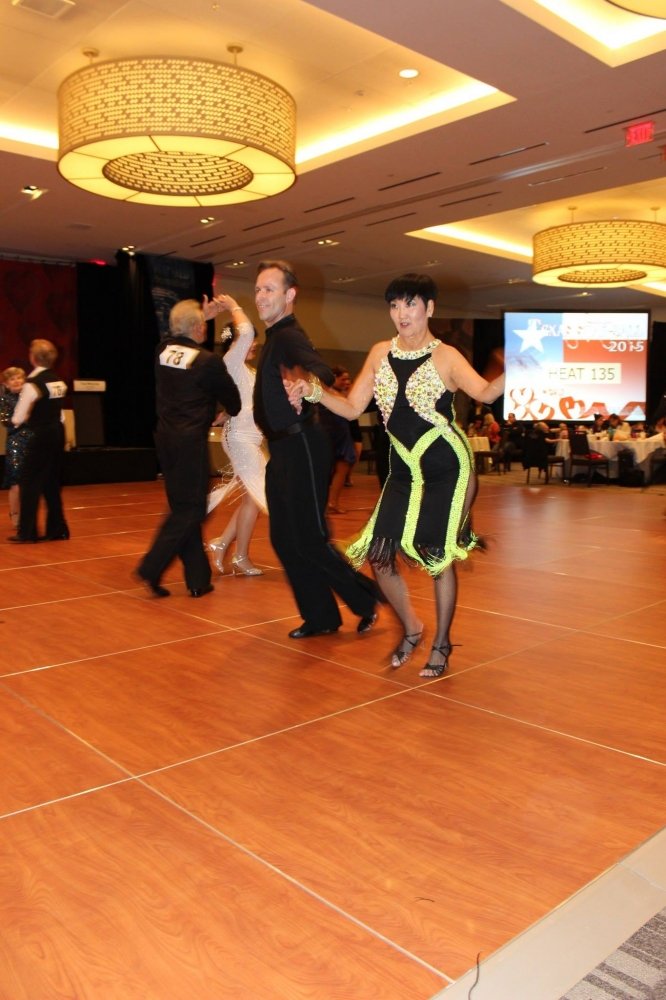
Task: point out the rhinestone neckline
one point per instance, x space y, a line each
397 352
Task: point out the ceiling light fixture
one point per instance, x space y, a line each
32 191
174 131
408 74
600 254
647 8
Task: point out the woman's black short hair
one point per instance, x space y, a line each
411 286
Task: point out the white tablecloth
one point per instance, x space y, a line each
479 444
641 448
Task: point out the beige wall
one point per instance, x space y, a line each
342 327
342 323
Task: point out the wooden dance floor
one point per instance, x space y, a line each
195 807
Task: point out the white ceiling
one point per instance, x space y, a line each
554 141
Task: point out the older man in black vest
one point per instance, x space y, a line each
190 382
40 408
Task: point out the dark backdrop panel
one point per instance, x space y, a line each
488 354
118 334
656 380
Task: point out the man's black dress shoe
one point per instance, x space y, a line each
303 632
153 587
366 623
200 591
63 536
22 541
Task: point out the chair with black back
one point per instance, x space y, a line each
657 466
513 436
535 454
628 473
582 458
488 461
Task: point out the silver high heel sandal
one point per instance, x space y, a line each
243 567
220 552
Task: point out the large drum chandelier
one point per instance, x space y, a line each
602 254
159 130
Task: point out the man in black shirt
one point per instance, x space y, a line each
190 381
299 470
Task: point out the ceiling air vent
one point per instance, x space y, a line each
47 8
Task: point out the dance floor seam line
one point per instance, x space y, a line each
72 795
541 728
618 639
294 727
297 884
219 630
519 618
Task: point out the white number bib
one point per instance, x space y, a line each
177 356
57 390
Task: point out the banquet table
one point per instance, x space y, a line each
479 443
641 447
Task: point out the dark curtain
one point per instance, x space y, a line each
38 300
118 334
488 354
656 377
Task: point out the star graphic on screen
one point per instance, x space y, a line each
531 337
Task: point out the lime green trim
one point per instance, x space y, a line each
358 549
412 460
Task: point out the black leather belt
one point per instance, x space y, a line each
296 428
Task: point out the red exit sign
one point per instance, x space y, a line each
634 135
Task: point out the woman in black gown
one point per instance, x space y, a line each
423 513
17 439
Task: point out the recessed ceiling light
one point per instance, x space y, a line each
408 74
129 250
326 242
32 191
235 263
209 218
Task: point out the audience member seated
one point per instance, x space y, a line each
618 430
513 434
475 429
598 424
491 430
555 435
659 431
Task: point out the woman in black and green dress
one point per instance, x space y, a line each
423 512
